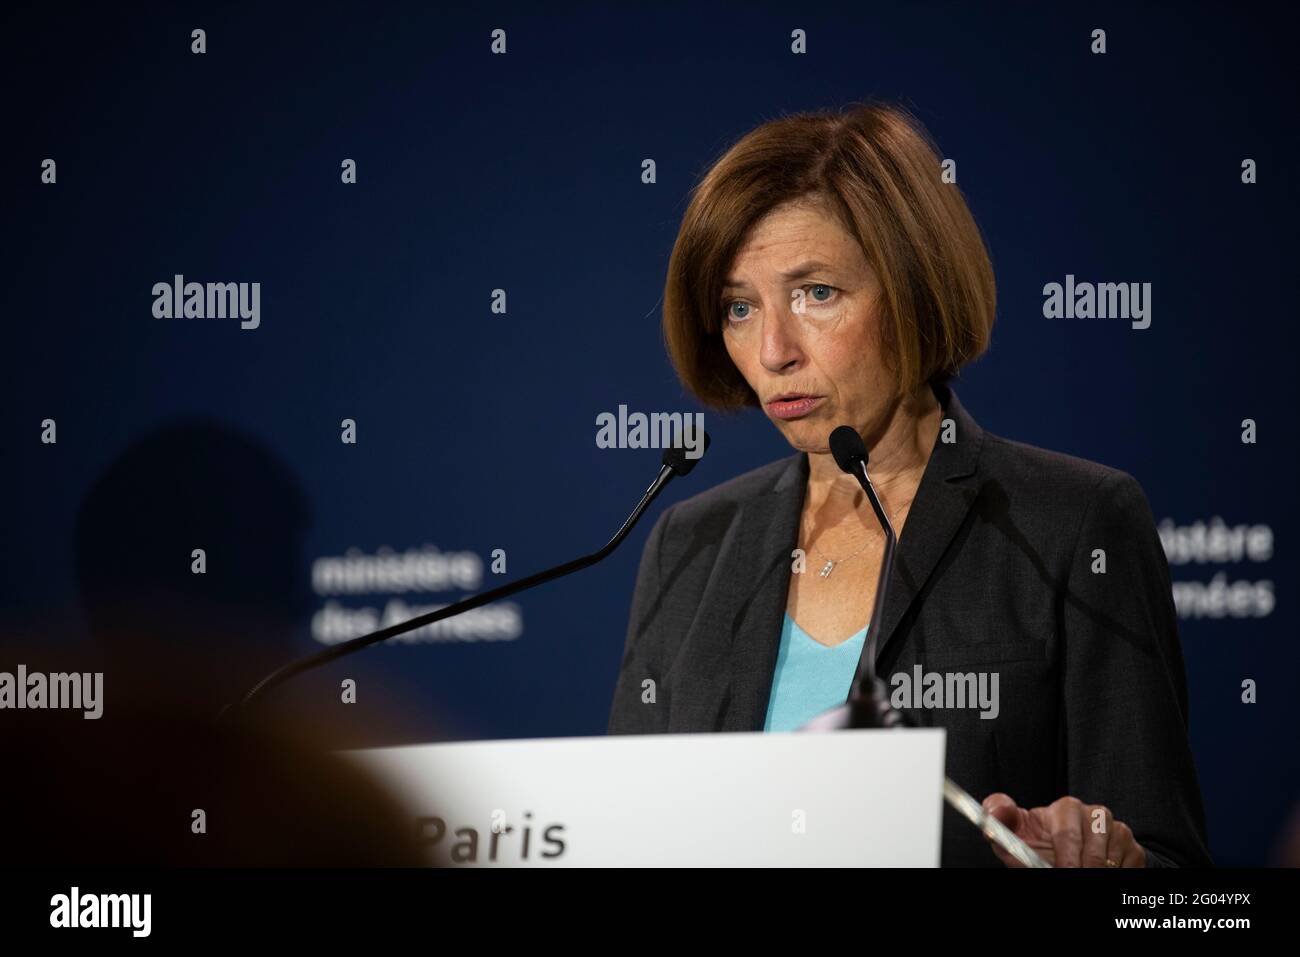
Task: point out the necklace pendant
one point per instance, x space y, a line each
827 569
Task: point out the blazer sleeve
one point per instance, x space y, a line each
638 708
1125 689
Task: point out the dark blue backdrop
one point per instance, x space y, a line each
522 172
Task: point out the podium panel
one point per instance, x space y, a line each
851 798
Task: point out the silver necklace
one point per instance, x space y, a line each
832 562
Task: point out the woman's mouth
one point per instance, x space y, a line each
794 405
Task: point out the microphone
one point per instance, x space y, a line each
675 463
868 701
868 704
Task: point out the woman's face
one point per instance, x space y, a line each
801 322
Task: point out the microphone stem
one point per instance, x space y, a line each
865 675
474 601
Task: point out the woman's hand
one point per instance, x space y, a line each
1067 833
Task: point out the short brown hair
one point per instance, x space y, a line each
879 170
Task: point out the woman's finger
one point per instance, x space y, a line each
1098 837
1066 823
1133 853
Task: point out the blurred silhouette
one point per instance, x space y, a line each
125 792
176 646
192 642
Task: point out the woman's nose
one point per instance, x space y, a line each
780 342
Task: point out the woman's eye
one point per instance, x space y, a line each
820 292
735 316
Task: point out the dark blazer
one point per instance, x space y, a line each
994 572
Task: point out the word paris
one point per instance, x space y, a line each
1103 300
660 430
214 300
80 691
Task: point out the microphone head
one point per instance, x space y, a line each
848 448
676 459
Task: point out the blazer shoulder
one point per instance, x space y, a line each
1054 496
1024 466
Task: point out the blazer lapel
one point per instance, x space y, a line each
736 633
948 488
770 534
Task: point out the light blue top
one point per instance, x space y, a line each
810 677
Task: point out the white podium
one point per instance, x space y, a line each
849 798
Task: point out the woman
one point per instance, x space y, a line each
826 273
